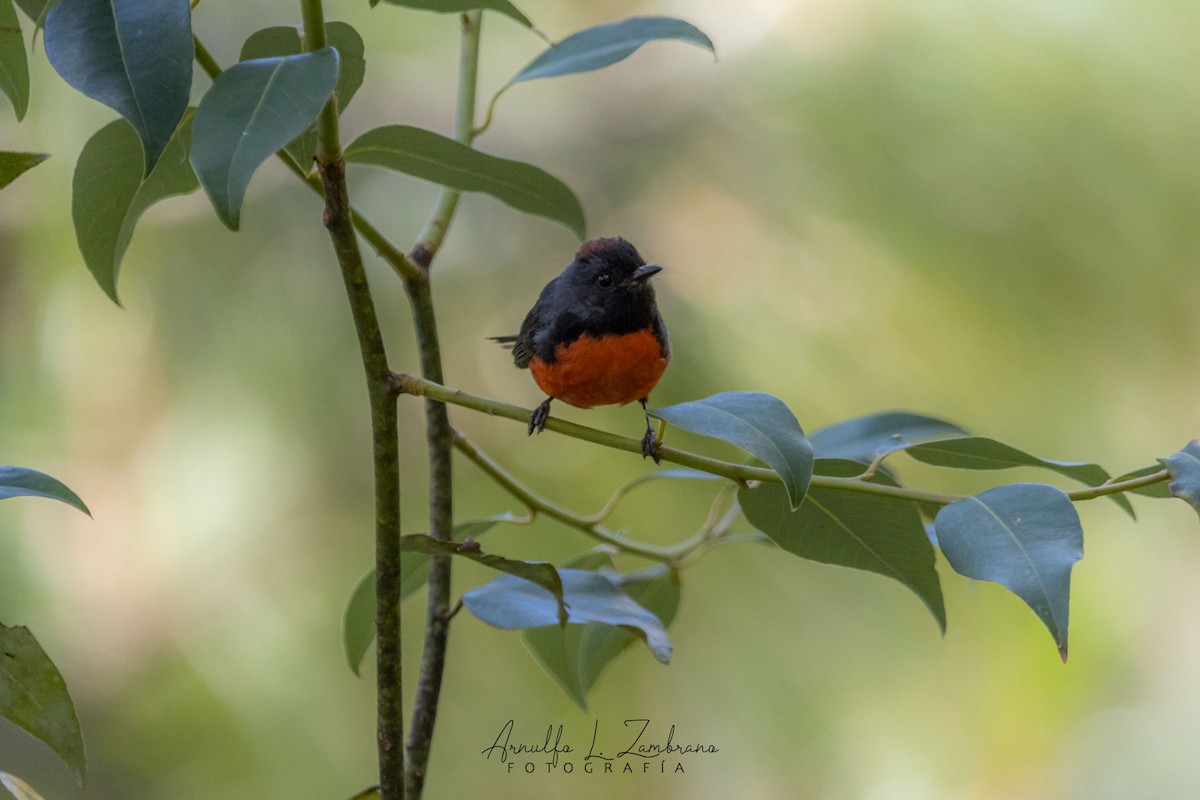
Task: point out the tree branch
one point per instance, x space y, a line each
438 432
338 219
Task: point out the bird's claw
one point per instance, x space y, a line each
537 421
650 447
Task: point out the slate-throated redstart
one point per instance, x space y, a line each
595 337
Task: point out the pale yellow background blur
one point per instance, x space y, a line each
986 211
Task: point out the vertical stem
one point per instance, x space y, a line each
439 435
384 428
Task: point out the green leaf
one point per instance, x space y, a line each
1024 536
510 603
978 452
576 655
603 45
862 531
452 6
22 482
135 56
14 66
358 620
19 788
253 109
286 40
109 195
866 438
758 423
367 794
429 156
1184 467
13 165
34 697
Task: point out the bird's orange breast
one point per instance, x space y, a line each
605 370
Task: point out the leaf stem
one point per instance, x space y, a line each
434 233
338 219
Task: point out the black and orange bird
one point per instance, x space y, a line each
595 337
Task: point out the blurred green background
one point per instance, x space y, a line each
985 211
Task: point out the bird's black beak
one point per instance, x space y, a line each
646 271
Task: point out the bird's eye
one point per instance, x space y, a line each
604 279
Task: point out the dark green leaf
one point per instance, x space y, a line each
19 481
426 155
758 423
510 603
358 621
13 165
286 40
576 655
19 788
452 6
598 47
253 109
14 66
1024 536
867 532
978 452
109 196
1184 467
866 438
135 56
34 697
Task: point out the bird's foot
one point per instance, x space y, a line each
537 422
650 447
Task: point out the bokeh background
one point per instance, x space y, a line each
985 211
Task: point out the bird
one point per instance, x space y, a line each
595 336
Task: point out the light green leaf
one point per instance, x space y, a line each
867 532
13 165
454 6
34 697
598 47
429 156
253 109
511 603
756 422
109 196
14 65
19 481
1184 467
134 56
1024 536
286 40
367 794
